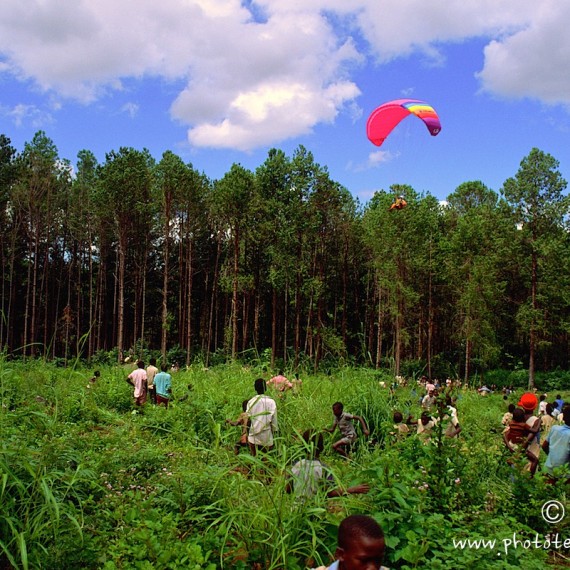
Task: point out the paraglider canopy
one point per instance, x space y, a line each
384 118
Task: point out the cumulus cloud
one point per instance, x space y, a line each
534 61
257 72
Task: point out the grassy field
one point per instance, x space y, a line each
88 482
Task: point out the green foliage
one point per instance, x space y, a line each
84 482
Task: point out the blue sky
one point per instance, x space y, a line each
223 81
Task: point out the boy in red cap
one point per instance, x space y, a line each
531 445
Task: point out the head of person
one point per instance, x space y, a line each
549 409
360 544
518 415
163 367
398 418
558 397
337 408
511 408
152 361
260 386
542 397
314 441
566 415
97 373
140 364
244 405
425 418
528 402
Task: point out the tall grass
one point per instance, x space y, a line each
89 481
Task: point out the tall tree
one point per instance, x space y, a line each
35 194
473 262
230 202
7 179
536 195
125 183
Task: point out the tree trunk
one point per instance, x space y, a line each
121 298
235 299
532 335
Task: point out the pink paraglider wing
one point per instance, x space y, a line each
384 118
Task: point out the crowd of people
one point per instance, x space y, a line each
532 427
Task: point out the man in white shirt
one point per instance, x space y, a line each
151 372
262 412
137 379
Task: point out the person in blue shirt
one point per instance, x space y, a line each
557 447
559 402
162 385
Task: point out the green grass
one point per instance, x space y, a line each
88 482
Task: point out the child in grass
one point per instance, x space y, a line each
401 429
425 426
344 422
547 421
307 474
94 378
508 416
516 431
360 545
243 421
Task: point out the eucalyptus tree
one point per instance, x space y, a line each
230 204
536 196
125 189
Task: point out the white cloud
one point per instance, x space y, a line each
533 62
130 109
375 159
259 72
21 114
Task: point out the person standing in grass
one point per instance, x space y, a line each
360 545
529 402
547 421
557 447
280 382
163 386
262 412
151 372
137 379
344 422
